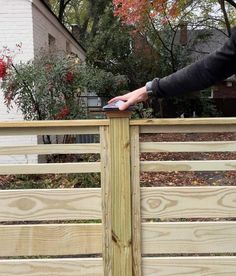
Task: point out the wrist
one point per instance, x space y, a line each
149 90
143 94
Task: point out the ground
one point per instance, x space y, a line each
189 178
147 179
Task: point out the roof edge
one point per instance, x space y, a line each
47 7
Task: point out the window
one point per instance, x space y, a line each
51 42
68 48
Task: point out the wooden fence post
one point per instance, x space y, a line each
136 204
119 195
106 199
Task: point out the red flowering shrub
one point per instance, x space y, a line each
6 59
62 114
69 76
45 88
3 68
49 87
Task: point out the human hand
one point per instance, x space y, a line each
131 98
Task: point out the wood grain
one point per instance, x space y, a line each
54 123
53 130
50 149
216 128
188 202
121 197
190 266
106 200
136 212
200 165
184 121
50 204
188 146
188 237
50 239
57 267
58 168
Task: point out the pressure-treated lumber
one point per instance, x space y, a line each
57 267
200 165
188 146
106 200
190 266
187 128
120 194
83 167
136 212
51 127
188 202
184 121
53 130
50 239
50 204
50 149
118 237
53 123
188 237
188 125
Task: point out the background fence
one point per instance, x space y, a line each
120 228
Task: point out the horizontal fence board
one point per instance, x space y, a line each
188 202
47 204
57 168
189 125
200 165
188 146
8 131
187 128
51 127
50 149
189 266
188 237
54 123
57 267
184 121
50 239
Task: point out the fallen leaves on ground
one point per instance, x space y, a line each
216 178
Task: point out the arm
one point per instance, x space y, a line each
199 75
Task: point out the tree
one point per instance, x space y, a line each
112 33
109 43
49 87
134 11
60 6
84 13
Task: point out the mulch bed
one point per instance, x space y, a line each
188 178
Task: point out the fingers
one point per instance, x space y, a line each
123 106
126 105
122 98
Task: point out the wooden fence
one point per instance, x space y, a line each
129 240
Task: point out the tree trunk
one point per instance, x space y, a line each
227 23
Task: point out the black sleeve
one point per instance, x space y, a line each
199 75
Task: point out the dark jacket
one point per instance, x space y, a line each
201 74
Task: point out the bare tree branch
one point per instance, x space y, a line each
62 7
231 2
227 23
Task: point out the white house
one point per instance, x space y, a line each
31 23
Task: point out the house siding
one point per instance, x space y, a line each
16 27
45 24
28 22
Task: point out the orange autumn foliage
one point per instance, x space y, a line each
136 11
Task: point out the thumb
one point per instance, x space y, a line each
124 106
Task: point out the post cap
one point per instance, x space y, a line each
118 114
